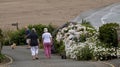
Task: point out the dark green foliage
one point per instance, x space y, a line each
18 36
40 29
6 42
86 23
59 46
2 57
85 54
1 40
108 34
51 28
82 38
1 44
1 35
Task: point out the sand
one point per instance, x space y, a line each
56 12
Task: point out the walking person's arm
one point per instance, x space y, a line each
42 40
38 42
51 40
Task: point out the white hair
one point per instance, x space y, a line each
45 30
33 29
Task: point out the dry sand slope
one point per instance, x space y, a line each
57 12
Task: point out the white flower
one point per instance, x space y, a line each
77 34
59 37
72 47
71 31
71 25
64 29
70 37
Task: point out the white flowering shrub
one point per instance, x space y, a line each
82 43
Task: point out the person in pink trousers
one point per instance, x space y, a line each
47 42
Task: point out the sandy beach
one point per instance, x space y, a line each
57 12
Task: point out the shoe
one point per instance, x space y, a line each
33 58
37 58
28 47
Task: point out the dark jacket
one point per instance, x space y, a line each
27 32
33 39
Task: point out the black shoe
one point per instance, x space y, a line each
37 58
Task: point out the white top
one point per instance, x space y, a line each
46 37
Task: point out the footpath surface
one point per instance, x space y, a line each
22 58
115 62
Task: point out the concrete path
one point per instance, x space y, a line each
115 62
22 58
101 16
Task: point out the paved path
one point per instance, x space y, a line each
115 62
22 58
101 16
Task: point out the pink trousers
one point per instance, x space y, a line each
47 49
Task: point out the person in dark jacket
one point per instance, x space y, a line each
27 32
34 43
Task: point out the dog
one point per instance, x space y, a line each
13 46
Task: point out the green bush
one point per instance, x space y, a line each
1 33
1 40
7 42
19 36
108 34
82 38
85 53
86 23
59 46
2 57
1 44
104 53
39 29
7 34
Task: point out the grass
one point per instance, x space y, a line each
3 59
